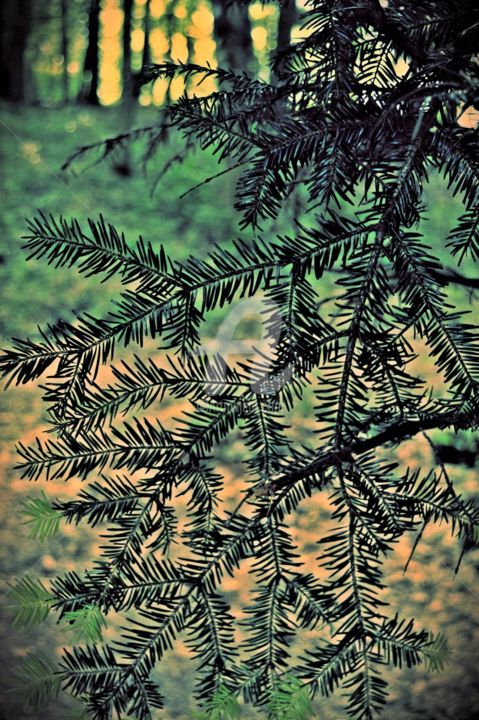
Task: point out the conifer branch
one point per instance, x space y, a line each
344 132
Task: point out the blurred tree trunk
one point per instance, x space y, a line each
288 15
146 54
65 49
234 51
232 32
89 93
15 26
127 76
123 164
190 45
170 23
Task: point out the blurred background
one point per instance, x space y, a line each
68 70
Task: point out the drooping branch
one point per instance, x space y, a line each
395 433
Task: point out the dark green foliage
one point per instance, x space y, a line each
351 138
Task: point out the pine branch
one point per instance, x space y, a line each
395 433
110 145
42 516
140 445
140 385
343 126
30 601
86 624
65 244
39 680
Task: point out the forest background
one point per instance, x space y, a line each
68 71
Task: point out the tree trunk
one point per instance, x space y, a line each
146 54
287 17
127 76
169 24
234 51
232 31
65 48
123 164
16 20
89 93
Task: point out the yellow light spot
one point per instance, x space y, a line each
85 119
158 43
202 89
205 51
109 90
258 11
468 118
159 91
47 47
260 38
177 88
73 68
401 67
49 562
137 40
179 48
111 21
157 8
108 96
56 67
206 88
299 32
144 100
180 12
202 20
31 150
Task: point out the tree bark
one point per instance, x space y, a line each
65 50
16 21
395 434
234 51
287 17
169 25
89 94
127 76
232 32
146 54
123 165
